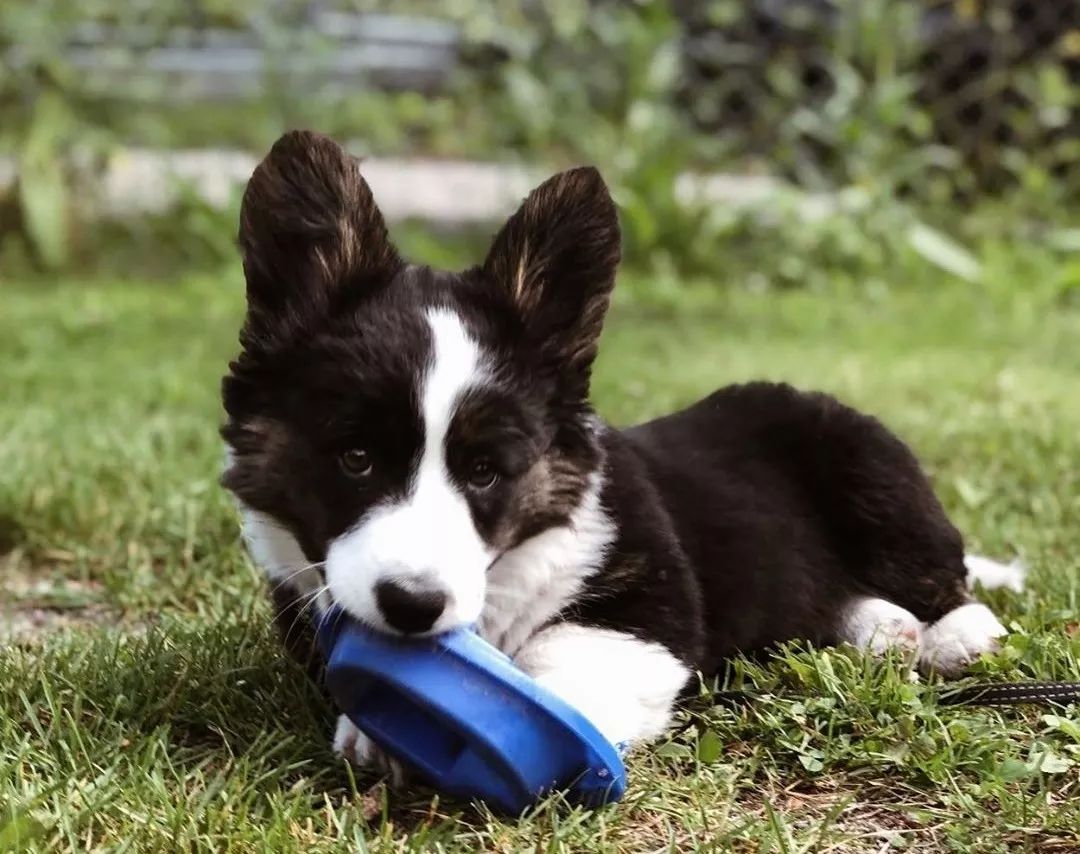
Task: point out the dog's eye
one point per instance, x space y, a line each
482 474
356 463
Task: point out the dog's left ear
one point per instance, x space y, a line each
310 231
556 257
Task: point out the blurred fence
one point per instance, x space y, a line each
333 51
989 79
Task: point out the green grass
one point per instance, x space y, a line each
162 716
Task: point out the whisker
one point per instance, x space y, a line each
301 596
314 641
300 614
313 596
296 572
322 619
284 566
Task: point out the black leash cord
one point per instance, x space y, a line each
981 694
1013 694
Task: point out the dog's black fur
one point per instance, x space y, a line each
804 503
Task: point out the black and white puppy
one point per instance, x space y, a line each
418 446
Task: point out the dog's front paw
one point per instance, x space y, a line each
361 751
958 639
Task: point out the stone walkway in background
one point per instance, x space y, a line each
444 192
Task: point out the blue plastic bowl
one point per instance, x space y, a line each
457 711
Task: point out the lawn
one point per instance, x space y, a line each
144 703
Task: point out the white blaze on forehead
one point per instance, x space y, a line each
427 538
455 366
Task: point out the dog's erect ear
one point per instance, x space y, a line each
556 257
309 228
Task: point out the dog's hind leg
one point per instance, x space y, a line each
884 519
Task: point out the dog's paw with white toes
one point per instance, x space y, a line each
878 626
361 751
960 637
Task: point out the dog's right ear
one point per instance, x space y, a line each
555 259
309 230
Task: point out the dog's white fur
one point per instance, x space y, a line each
991 574
878 625
947 646
625 686
350 743
960 637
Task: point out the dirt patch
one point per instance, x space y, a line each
856 818
20 625
34 604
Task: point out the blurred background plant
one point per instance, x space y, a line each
764 143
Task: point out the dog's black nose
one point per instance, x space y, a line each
409 610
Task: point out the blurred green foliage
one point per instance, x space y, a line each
832 97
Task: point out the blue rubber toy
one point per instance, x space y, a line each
457 711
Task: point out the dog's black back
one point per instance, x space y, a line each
784 505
